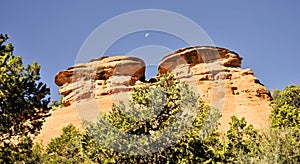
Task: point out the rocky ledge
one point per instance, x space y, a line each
99 77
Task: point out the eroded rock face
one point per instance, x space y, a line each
99 77
215 72
200 54
212 65
221 82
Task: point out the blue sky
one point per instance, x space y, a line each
265 33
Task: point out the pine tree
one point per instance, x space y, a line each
164 123
23 104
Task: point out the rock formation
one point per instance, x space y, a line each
215 72
99 77
221 82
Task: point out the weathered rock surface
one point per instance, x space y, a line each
215 72
221 82
99 77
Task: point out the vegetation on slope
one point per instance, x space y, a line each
200 143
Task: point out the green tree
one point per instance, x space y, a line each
23 106
67 148
286 107
153 109
286 116
280 145
289 95
242 142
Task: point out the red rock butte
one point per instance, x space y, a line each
214 72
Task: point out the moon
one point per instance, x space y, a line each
146 35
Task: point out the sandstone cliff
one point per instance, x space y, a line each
214 72
99 77
221 82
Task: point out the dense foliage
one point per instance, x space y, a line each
66 148
200 143
163 123
242 142
286 107
23 105
146 119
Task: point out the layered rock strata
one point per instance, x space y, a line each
214 72
221 82
99 77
